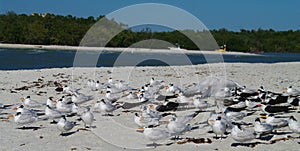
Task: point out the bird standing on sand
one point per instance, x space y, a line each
154 135
24 118
87 118
219 127
294 125
262 129
64 126
31 103
291 91
241 135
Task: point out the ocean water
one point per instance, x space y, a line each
15 59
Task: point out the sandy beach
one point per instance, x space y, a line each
111 49
119 132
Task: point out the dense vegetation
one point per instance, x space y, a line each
53 29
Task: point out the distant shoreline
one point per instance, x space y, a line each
115 49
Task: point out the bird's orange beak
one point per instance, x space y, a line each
54 100
176 95
166 122
105 78
166 87
10 116
285 89
22 99
140 129
263 117
15 108
151 106
211 121
136 92
102 92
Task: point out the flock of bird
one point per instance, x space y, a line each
159 105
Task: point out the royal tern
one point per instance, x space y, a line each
79 110
24 110
144 121
154 82
105 107
262 129
172 89
242 135
132 96
87 118
177 128
154 135
294 125
23 118
52 113
219 127
64 126
66 100
201 103
80 98
291 91
62 107
276 122
51 103
31 103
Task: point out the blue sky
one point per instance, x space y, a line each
215 14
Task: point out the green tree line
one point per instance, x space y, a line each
50 29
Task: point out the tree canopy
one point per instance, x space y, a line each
50 29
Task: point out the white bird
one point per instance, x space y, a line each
31 103
52 113
111 97
62 107
294 125
155 135
145 121
147 112
79 110
213 117
132 96
291 91
262 129
23 118
219 127
64 126
87 118
66 100
155 82
80 98
24 110
105 107
201 103
172 89
69 90
177 128
142 98
50 102
276 122
242 135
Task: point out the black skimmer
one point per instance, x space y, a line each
274 109
276 100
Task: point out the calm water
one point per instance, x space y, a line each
12 59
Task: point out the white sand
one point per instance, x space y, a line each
112 49
115 137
